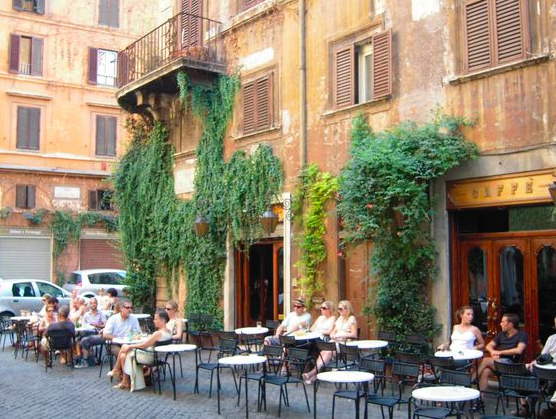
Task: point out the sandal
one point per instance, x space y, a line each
121 386
114 374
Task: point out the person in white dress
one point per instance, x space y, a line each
175 324
465 336
325 322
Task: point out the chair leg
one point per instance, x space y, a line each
306 398
210 390
333 405
196 387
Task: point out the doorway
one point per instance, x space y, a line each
514 272
260 283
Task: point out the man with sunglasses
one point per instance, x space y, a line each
296 320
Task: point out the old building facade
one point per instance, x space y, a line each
308 67
61 129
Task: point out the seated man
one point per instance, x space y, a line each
296 320
63 323
93 317
121 325
508 345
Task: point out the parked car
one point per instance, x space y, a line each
89 281
26 294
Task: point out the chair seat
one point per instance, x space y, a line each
434 412
209 366
349 394
275 379
383 401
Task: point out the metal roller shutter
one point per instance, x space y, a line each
101 253
24 257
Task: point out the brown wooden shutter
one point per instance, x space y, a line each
93 201
382 64
21 196
39 8
100 135
191 26
31 196
36 56
344 76
111 135
93 65
17 4
509 30
103 12
14 53
114 14
22 140
249 110
34 133
477 35
263 98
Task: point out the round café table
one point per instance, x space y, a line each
465 355
249 338
252 330
129 341
174 350
545 367
308 336
444 394
243 361
344 377
368 344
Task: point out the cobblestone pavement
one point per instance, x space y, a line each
27 391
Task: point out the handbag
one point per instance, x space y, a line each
544 359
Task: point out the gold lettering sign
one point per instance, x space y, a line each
519 188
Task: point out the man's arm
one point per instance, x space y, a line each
135 326
518 350
108 330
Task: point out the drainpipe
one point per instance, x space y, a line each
302 85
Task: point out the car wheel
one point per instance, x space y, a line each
5 315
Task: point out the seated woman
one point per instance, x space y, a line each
175 325
78 310
126 367
345 329
465 336
325 322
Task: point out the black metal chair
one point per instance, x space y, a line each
518 387
348 357
327 346
406 374
294 362
155 364
438 364
378 368
6 330
272 325
26 340
228 347
59 340
547 379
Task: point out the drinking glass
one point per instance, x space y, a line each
259 324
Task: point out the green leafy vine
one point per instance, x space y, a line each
384 192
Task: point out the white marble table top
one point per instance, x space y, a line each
141 316
176 347
461 355
446 394
307 336
85 328
251 330
242 360
129 341
545 367
368 344
20 318
345 376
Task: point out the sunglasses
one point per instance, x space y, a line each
325 308
298 306
127 307
168 308
341 308
50 311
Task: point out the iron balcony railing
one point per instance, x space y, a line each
182 36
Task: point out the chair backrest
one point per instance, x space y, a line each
207 320
272 324
325 346
376 366
520 383
405 370
228 347
387 335
441 361
509 368
227 334
60 340
287 340
297 360
415 339
194 320
349 353
455 378
274 358
409 357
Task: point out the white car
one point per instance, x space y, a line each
89 281
26 294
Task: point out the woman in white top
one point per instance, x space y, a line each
174 325
345 328
325 322
465 336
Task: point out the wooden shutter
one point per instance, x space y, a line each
249 123
39 8
263 102
21 196
22 140
114 14
34 128
14 53
111 135
104 12
36 56
509 30
191 26
17 4
93 201
344 76
93 65
478 41
31 196
382 64
100 135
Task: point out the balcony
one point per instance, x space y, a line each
185 42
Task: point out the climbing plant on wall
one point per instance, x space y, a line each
157 228
313 191
385 197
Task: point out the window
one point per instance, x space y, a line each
25 196
105 143
35 6
100 200
495 32
257 104
45 288
362 71
74 279
105 278
109 13
26 55
28 128
250 3
103 66
23 289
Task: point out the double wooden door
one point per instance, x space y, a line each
509 272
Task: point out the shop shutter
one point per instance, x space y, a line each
93 65
509 30
382 64
36 56
16 254
14 53
100 253
344 76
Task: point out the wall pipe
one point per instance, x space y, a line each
302 85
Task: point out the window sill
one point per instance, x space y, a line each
498 70
241 137
28 95
378 105
246 16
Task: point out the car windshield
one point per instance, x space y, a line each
45 288
106 278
